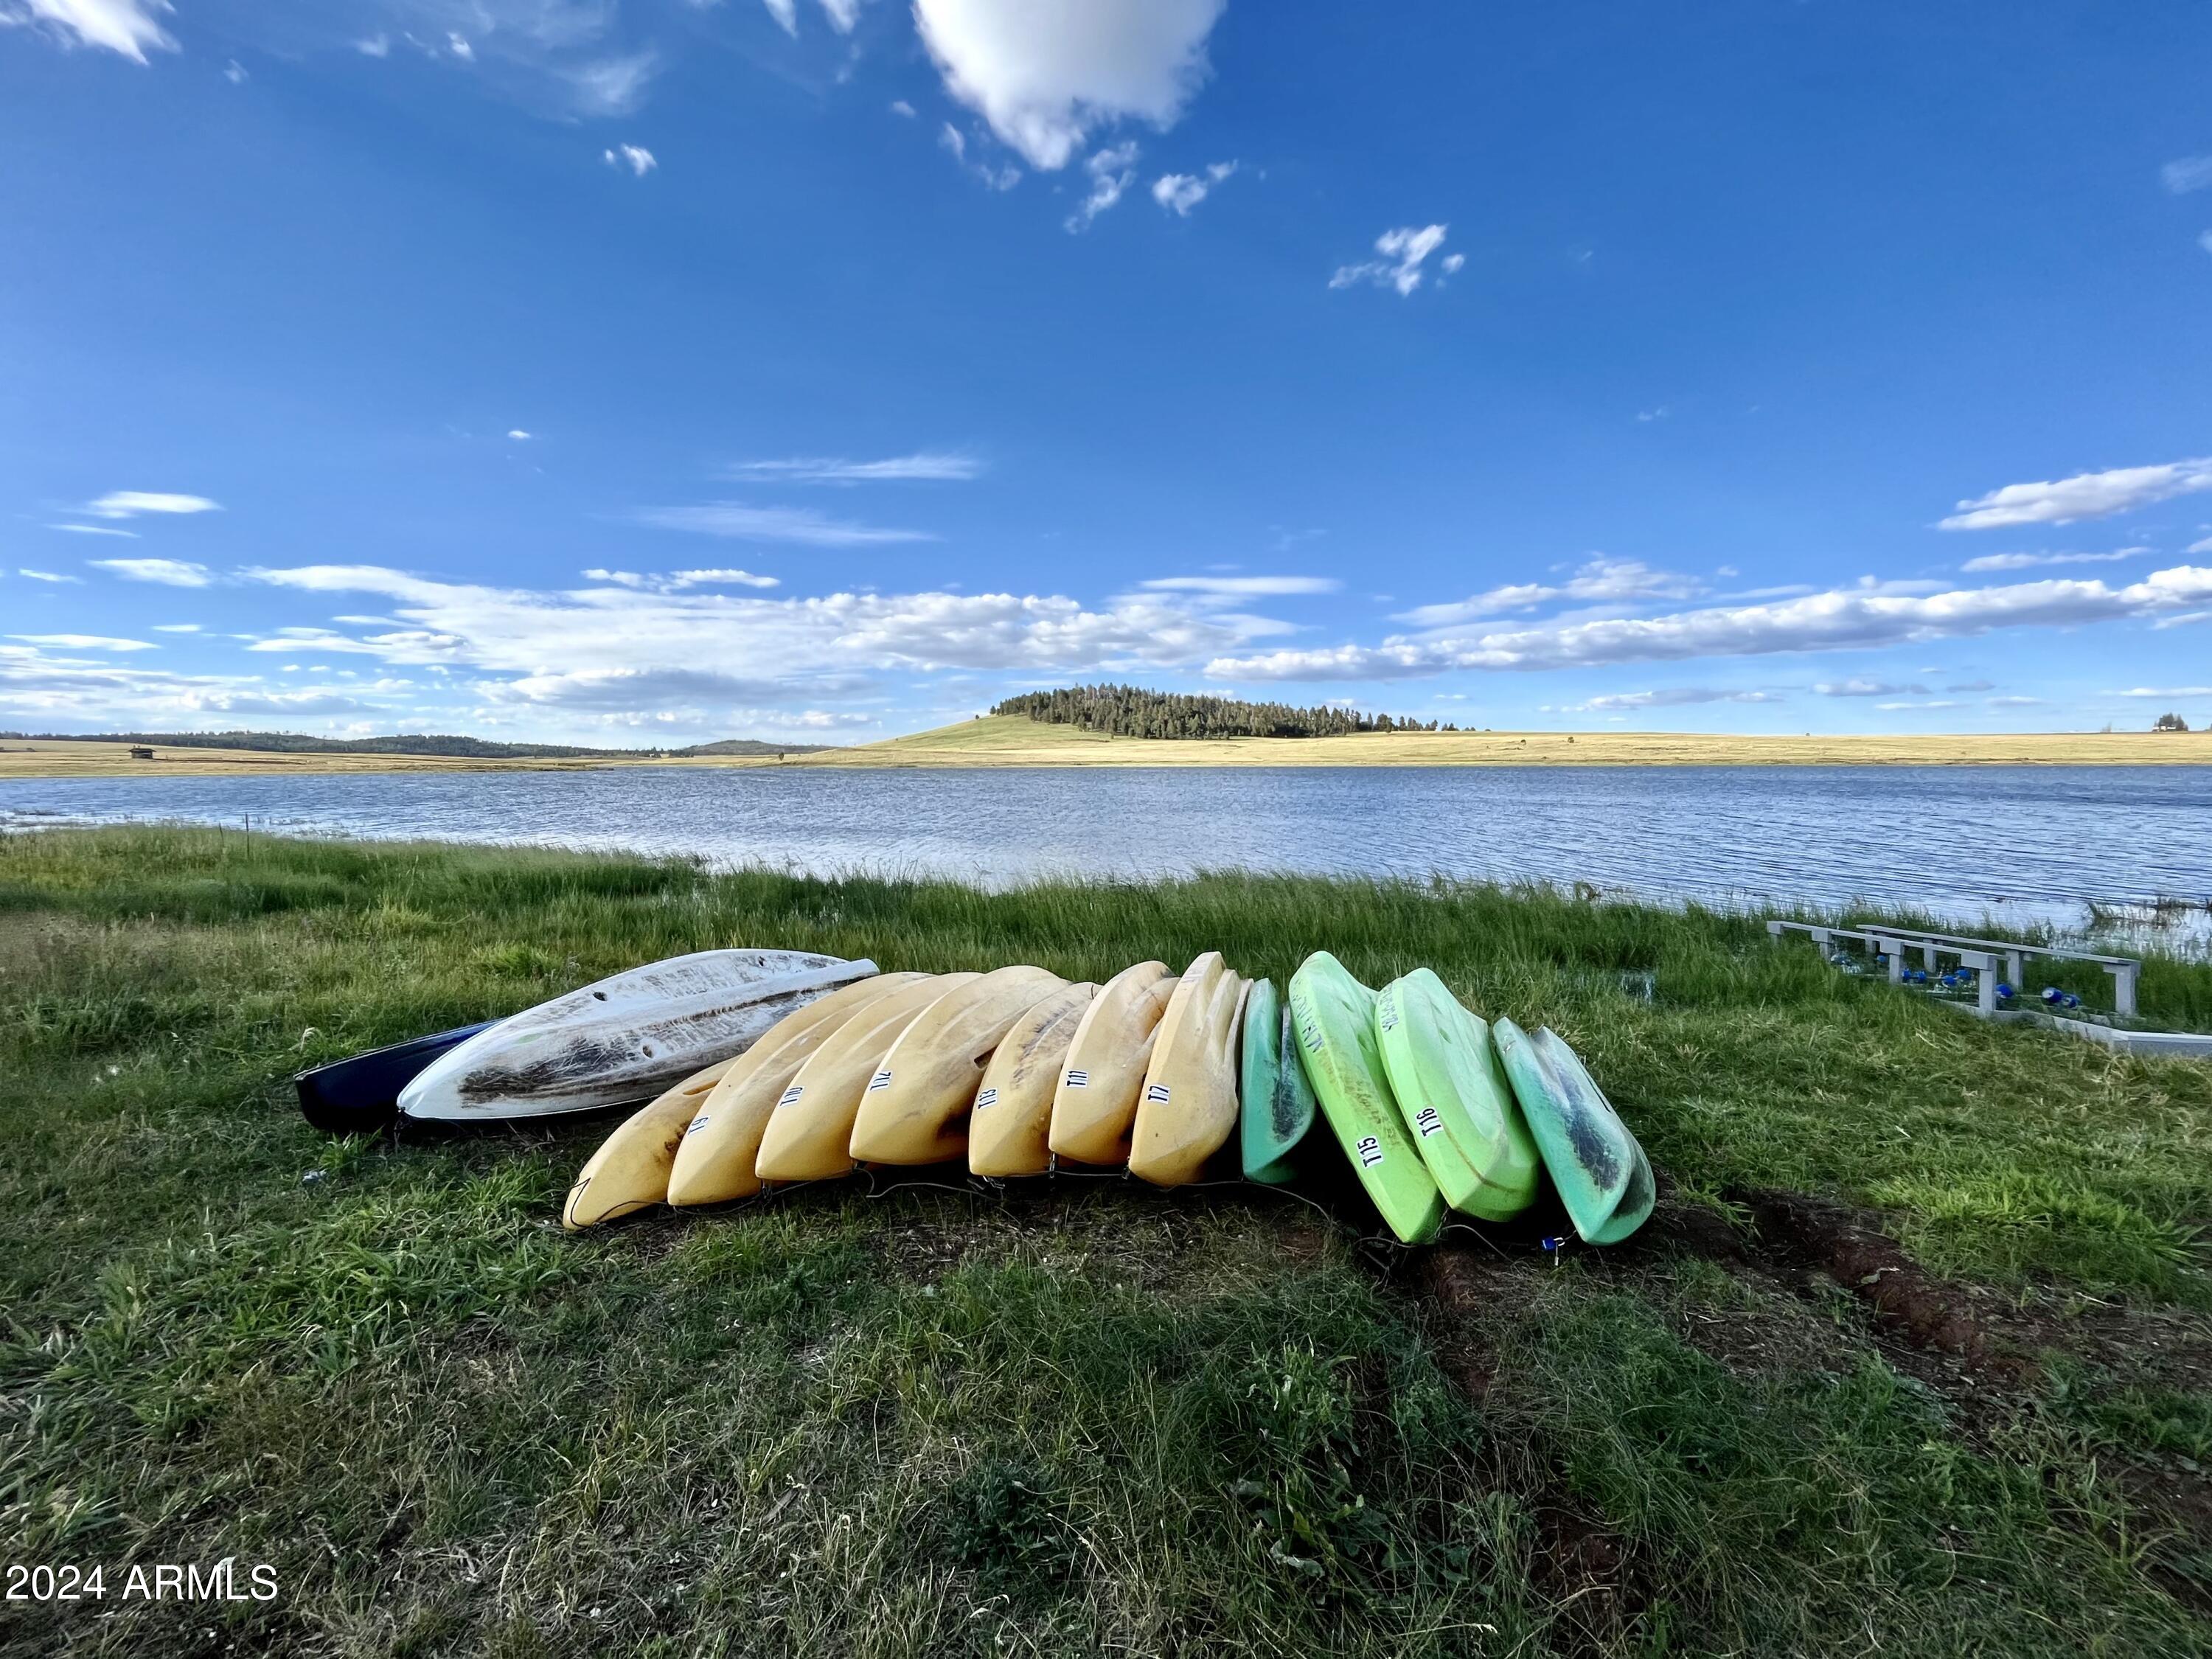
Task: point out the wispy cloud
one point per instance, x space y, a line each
611 85
84 641
2189 173
1242 586
954 142
1677 697
1112 171
637 157
1600 581
1179 193
2084 495
1842 619
1863 688
95 530
169 572
923 466
1044 78
130 503
1404 255
48 576
1990 561
799 525
676 582
2166 692
128 28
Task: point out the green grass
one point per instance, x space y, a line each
1072 1419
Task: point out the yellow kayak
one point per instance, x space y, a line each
630 1172
1094 1106
914 1108
1187 1109
1009 1132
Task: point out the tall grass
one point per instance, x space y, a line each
1070 1419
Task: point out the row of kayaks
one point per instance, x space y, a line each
1017 1073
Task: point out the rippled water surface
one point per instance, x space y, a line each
2014 842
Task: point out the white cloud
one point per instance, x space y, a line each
954 142
1863 688
776 524
84 641
170 572
1893 707
842 13
2014 702
2036 561
130 503
1044 73
1179 193
1242 586
234 72
2166 691
1112 171
2190 173
1678 697
126 27
673 582
611 85
2205 240
900 106
786 13
48 576
1600 581
374 46
519 436
457 44
1404 251
95 530
1854 618
176 628
925 466
2085 495
638 159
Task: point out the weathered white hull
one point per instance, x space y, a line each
624 1040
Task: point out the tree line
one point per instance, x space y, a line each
1131 711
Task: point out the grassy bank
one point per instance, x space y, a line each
1078 1417
1013 740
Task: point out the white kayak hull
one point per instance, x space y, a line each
624 1040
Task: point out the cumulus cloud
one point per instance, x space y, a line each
1179 193
2085 495
1854 618
170 572
2189 173
130 503
1112 171
130 27
1045 73
1600 581
637 157
1677 697
923 466
799 525
1404 252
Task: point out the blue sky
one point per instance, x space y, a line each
629 370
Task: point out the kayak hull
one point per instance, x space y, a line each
1094 1106
1187 1109
360 1095
914 1109
1598 1166
1453 1095
1276 1104
630 1172
1009 1132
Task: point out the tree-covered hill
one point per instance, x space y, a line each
295 742
1131 711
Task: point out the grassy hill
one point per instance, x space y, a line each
418 744
1915 1358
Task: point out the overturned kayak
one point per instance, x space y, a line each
1335 1015
1187 1109
624 1039
359 1095
714 1163
1009 1130
1455 1099
914 1109
630 1172
1095 1105
1275 1102
809 1135
1596 1164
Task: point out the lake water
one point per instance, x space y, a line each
2012 843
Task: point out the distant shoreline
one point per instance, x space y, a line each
1003 741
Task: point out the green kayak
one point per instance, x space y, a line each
1594 1162
1277 1101
1335 1015
1456 1098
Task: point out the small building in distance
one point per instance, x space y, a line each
139 751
